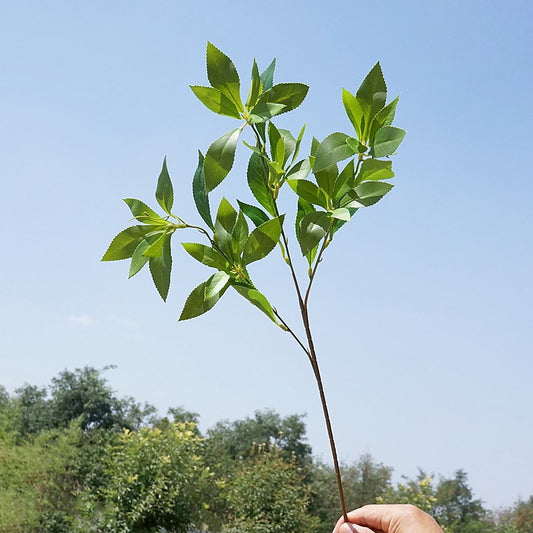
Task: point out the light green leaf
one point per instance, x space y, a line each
205 296
313 227
308 191
301 170
143 213
304 208
387 141
344 181
239 235
341 213
354 112
255 214
370 192
199 192
264 111
155 248
383 118
267 77
262 240
219 158
216 101
138 259
257 299
374 169
223 75
277 146
326 178
289 144
207 256
123 245
164 192
331 150
298 143
225 221
160 268
255 87
257 176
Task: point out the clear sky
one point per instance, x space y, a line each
422 310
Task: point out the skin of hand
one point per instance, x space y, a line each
398 518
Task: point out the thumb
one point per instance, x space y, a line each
347 528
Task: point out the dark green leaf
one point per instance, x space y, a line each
257 299
207 256
224 224
297 145
344 181
267 77
223 75
219 158
308 191
304 208
387 141
205 296
372 95
331 150
315 143
255 87
216 101
239 235
354 112
264 111
258 182
160 268
326 178
164 192
313 227
374 169
123 245
199 192
262 240
256 215
291 95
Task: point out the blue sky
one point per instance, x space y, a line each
422 308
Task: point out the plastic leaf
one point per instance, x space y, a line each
290 95
255 87
304 208
387 141
313 227
370 192
160 268
123 245
255 214
258 182
223 75
277 146
301 170
206 255
344 181
331 150
199 192
383 118
205 296
239 235
372 94
265 111
267 77
164 192
374 169
308 191
354 112
216 101
219 158
257 299
138 259
143 213
262 240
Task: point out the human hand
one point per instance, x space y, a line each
399 518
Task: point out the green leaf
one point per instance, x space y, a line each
264 111
301 170
290 95
313 227
262 240
267 77
326 179
257 176
308 191
289 144
205 296
277 146
143 213
224 224
255 214
370 192
199 192
155 248
374 169
219 158
331 150
138 259
223 75
255 87
164 192
341 213
216 101
387 141
257 299
372 95
160 268
354 112
304 208
207 256
344 181
123 245
297 145
315 143
383 118
239 235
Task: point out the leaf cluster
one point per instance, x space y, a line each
326 195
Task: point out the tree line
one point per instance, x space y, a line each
76 458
